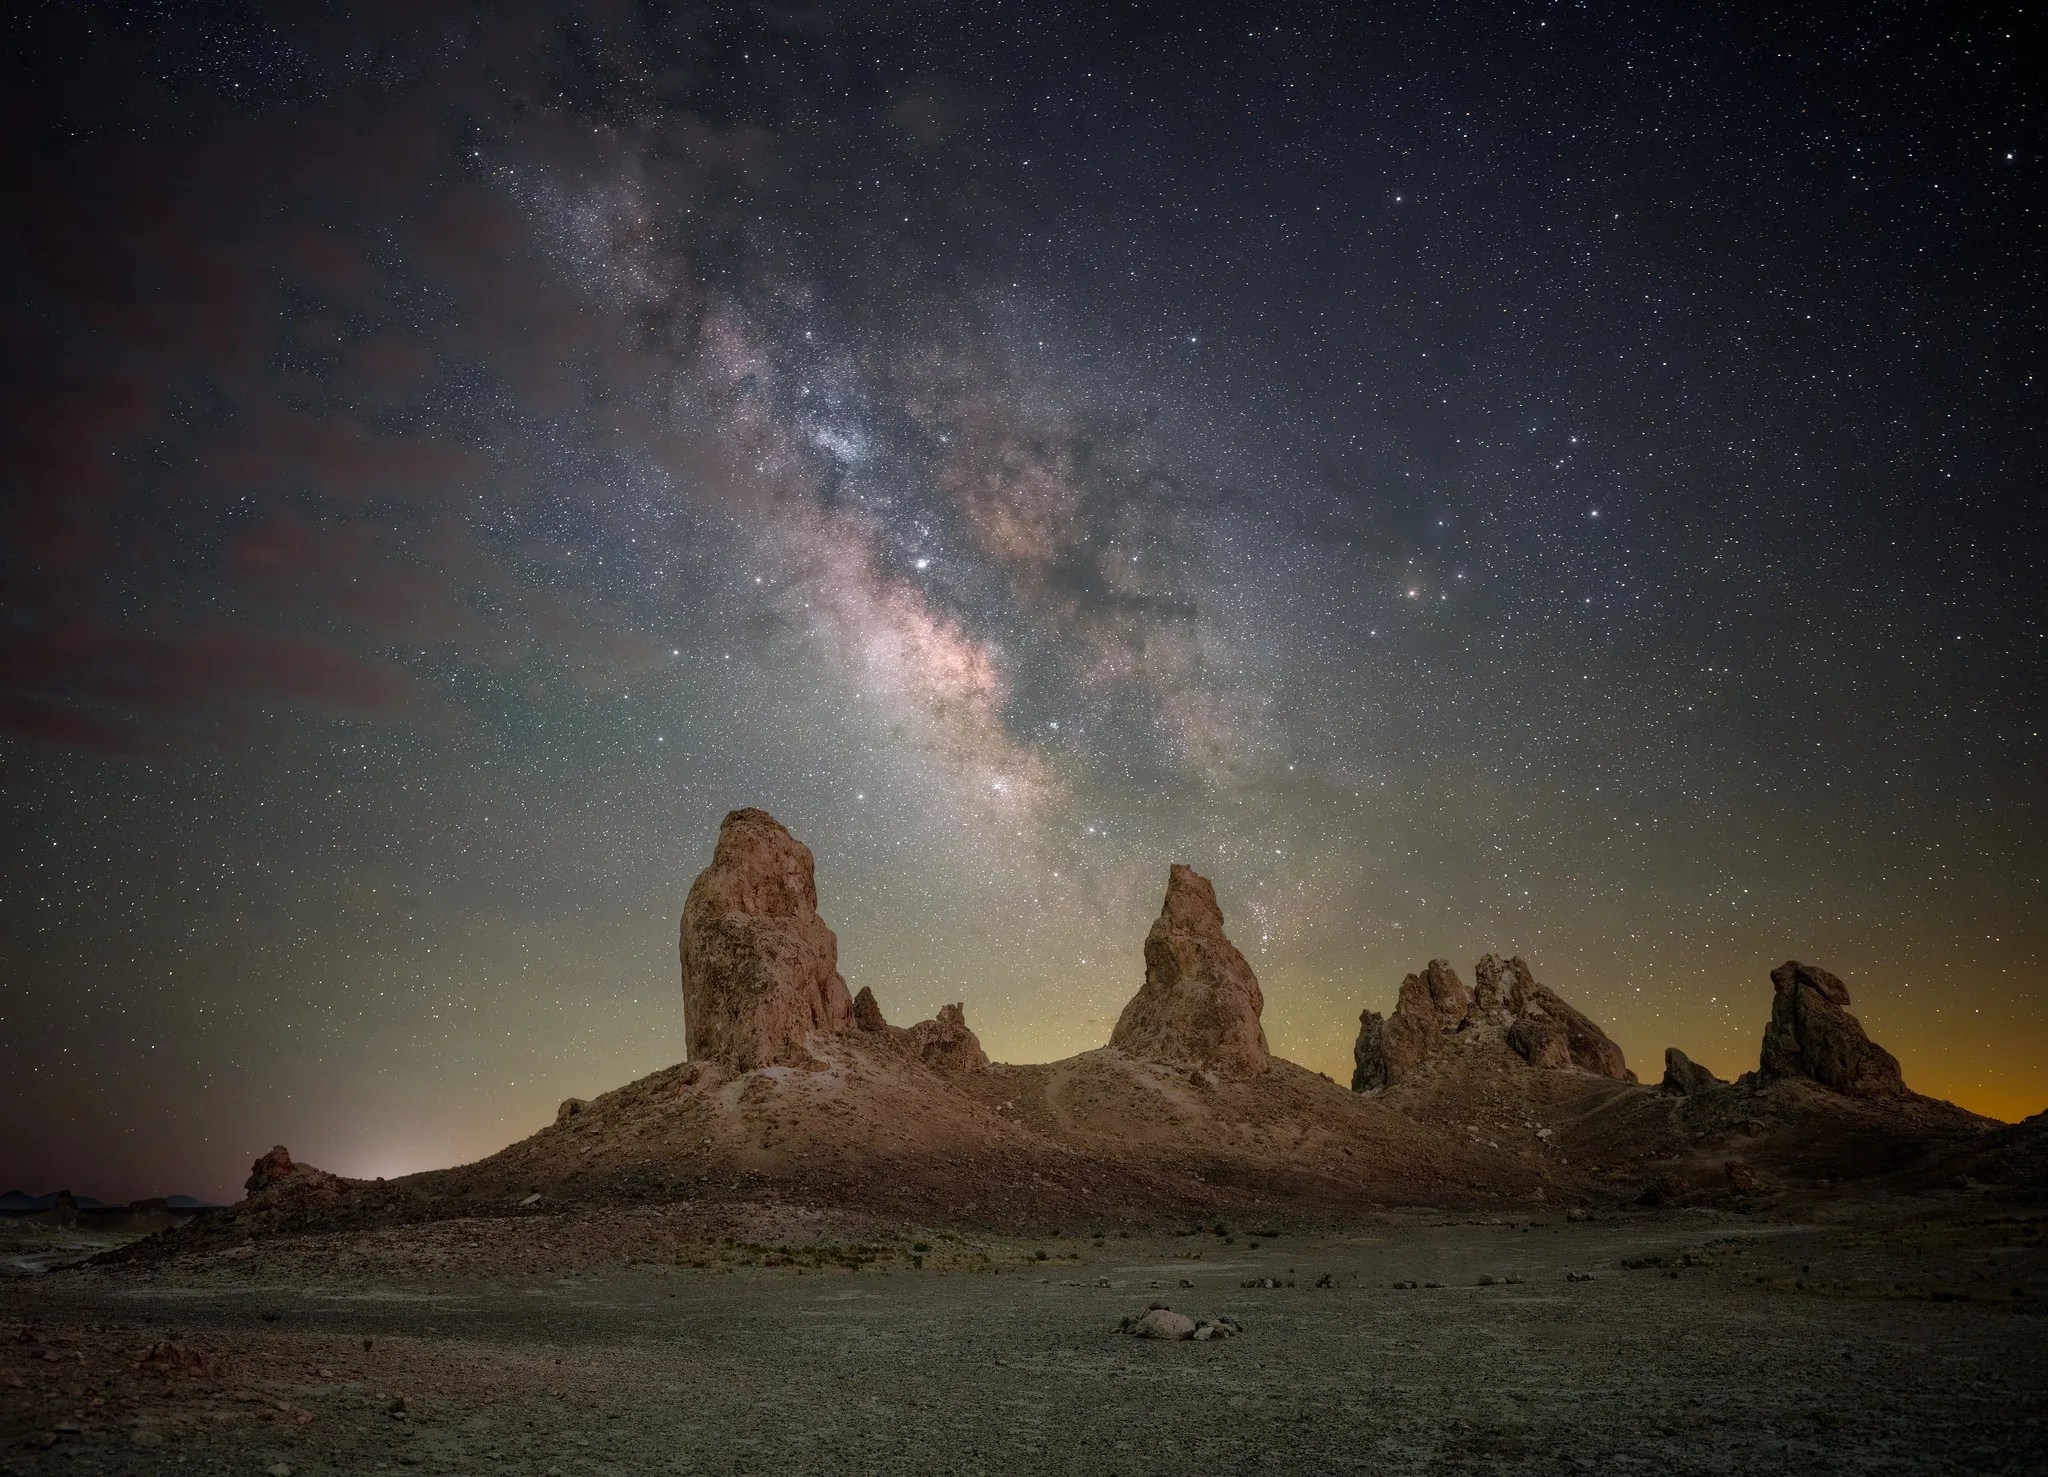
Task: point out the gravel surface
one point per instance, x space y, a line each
1881 1345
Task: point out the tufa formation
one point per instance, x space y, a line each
760 968
944 1044
1535 1020
1200 1003
1813 1035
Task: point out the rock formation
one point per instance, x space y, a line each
1200 1003
1813 1035
867 1012
269 1170
275 1180
1684 1076
570 1107
760 968
1546 1031
1539 1025
946 1044
1390 1047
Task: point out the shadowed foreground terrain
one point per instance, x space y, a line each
1893 1341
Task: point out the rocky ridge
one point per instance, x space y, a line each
800 1100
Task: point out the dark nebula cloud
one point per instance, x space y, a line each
1466 481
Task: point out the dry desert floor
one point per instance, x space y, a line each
1888 1340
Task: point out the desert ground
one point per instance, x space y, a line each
1889 1337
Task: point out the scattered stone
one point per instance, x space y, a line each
1742 1179
760 967
1813 1035
1578 1276
533 1199
174 1356
1200 1003
1578 1213
1406 1285
1486 1279
1161 1322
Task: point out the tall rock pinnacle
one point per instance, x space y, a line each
760 968
1812 1035
1200 1003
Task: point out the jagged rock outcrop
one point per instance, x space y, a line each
269 1170
946 1044
276 1181
1813 1035
1430 1003
760 968
1200 1003
1435 1003
1546 1031
1684 1076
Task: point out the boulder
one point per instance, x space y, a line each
1813 1035
946 1044
1161 1323
570 1107
760 968
1200 1003
1684 1076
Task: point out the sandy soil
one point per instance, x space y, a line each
1894 1340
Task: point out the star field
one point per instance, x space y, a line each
1511 478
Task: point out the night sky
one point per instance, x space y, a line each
1530 478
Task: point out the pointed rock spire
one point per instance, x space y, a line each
1200 1003
760 968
